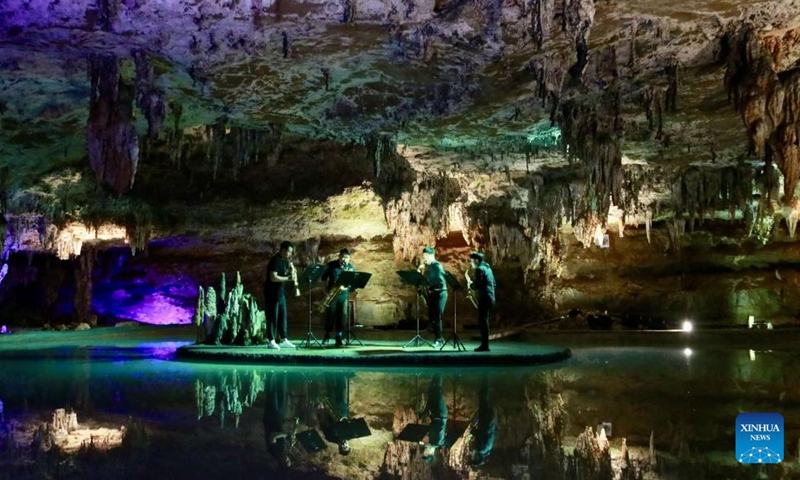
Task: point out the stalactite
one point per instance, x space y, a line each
791 215
149 98
648 223
654 104
676 228
109 13
767 96
593 135
420 216
110 134
576 20
217 134
697 191
632 51
549 73
672 86
379 146
541 15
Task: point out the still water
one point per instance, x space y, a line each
197 421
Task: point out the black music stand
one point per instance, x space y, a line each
413 277
309 276
452 281
352 281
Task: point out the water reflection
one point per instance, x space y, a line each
203 421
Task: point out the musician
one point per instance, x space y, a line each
485 427
437 409
279 271
337 312
437 292
338 411
484 286
278 423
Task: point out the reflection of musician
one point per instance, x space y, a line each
338 410
278 429
337 311
279 271
484 286
485 430
437 408
437 293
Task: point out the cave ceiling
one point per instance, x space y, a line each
450 82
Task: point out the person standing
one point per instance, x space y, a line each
484 431
279 426
437 409
437 292
279 271
336 314
484 286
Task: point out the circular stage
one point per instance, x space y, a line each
380 353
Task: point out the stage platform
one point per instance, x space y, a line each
381 353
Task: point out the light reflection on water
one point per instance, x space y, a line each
218 421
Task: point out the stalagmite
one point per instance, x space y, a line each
199 316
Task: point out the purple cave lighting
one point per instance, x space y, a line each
157 309
4 330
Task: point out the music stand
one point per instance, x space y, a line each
350 428
413 277
452 281
311 441
309 276
352 281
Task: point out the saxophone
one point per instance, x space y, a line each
328 299
472 295
332 293
293 276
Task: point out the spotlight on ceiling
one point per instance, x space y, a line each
687 326
687 352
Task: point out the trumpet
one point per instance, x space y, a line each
293 276
472 295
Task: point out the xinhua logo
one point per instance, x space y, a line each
759 438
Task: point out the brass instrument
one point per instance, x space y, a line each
472 295
293 276
328 299
332 293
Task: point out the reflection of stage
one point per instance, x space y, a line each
380 353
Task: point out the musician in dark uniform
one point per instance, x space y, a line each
437 292
279 271
279 425
337 312
484 286
338 410
484 432
437 409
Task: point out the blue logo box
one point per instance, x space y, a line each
759 438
